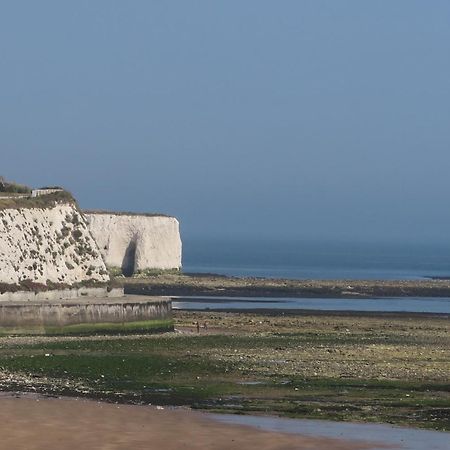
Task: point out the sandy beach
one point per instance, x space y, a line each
35 423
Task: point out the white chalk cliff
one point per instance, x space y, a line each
134 242
51 244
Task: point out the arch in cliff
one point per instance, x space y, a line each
135 242
129 259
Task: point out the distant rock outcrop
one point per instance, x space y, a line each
47 241
134 242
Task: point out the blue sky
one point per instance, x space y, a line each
297 119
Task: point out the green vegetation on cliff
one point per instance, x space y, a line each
13 188
41 202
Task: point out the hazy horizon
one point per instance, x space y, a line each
284 120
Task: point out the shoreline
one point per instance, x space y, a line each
218 285
123 426
320 312
36 423
332 367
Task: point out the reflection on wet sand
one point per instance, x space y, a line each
36 423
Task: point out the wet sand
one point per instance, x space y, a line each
34 423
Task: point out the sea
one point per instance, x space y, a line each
429 305
332 260
302 259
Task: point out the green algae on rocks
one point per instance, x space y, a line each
365 368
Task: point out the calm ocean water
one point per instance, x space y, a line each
314 260
439 305
387 435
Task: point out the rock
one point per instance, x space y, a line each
49 244
134 242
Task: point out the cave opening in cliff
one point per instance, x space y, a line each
128 263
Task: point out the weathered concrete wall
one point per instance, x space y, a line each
48 245
61 294
39 192
136 242
129 313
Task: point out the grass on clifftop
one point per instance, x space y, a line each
126 213
40 202
13 188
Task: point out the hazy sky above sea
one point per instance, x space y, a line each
290 119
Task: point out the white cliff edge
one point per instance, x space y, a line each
52 244
135 243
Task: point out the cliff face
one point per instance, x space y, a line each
135 243
48 244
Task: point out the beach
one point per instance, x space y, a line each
347 367
33 422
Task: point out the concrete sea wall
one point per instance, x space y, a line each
125 314
61 294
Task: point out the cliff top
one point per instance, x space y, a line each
126 213
18 201
12 187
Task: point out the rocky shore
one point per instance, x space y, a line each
215 285
345 368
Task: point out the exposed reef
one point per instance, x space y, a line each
218 285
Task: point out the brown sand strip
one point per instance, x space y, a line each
34 423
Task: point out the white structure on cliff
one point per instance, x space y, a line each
44 191
136 242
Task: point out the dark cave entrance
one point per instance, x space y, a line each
129 259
